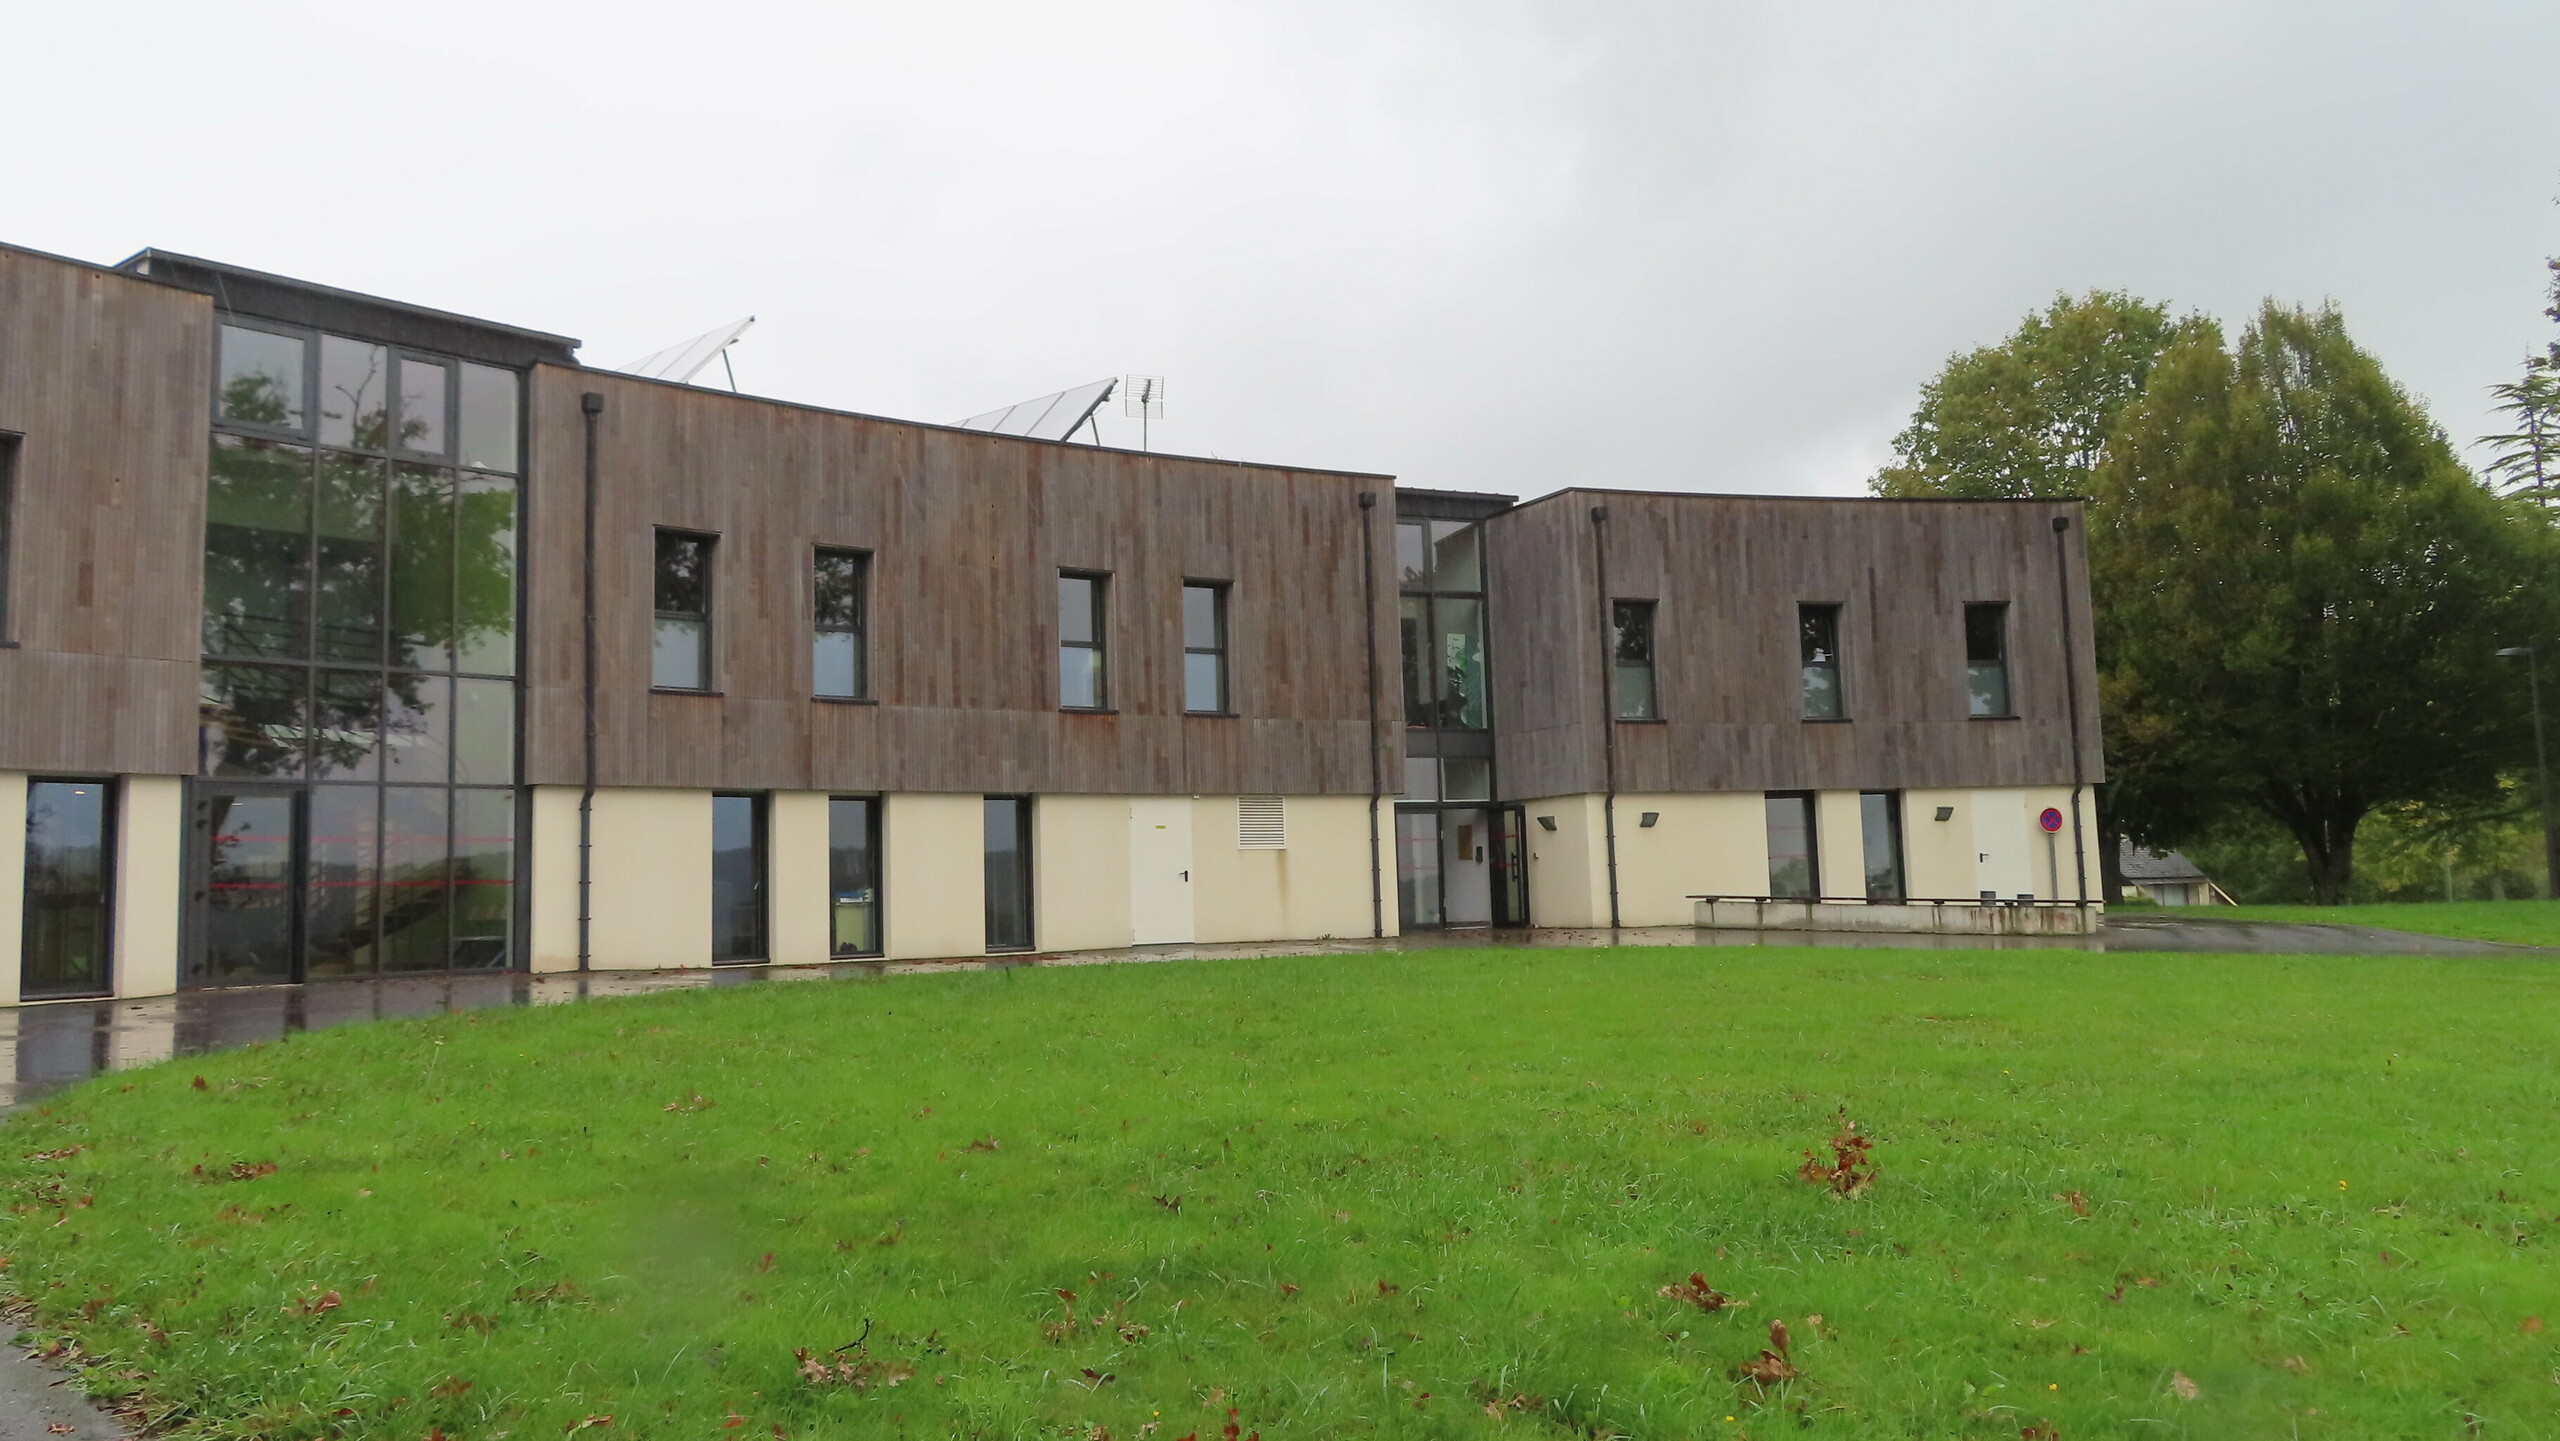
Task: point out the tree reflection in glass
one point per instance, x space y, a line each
257 572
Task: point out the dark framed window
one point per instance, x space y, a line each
1986 659
853 875
262 379
840 657
1818 639
1204 647
737 879
1084 681
70 888
1631 693
680 648
1441 615
1795 870
8 517
1880 826
1009 921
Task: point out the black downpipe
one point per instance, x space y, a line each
2071 689
1608 710
591 405
1377 779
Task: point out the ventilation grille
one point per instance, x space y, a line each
1262 824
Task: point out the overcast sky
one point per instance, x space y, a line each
1482 245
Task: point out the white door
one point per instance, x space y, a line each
1160 871
2001 826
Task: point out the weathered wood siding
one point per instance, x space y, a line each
108 382
967 534
1727 573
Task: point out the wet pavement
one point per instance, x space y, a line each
49 1045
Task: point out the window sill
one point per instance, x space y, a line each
1088 710
8 645
1640 720
679 690
1827 720
1213 715
846 699
1992 717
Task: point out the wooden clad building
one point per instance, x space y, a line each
302 674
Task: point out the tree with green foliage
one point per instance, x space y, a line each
2029 417
2527 459
2305 588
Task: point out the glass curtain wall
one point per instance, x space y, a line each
1442 619
359 642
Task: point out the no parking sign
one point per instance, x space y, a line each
2051 820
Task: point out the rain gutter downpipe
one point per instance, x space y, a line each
591 407
1377 781
1608 711
2071 689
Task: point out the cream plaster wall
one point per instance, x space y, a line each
652 879
13 881
934 875
796 898
551 927
150 883
1702 845
1993 842
1840 842
1568 866
1317 887
1938 856
1080 868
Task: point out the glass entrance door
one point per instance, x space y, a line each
1510 868
248 841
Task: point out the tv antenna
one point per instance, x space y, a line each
1142 397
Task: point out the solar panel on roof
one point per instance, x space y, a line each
1045 417
685 359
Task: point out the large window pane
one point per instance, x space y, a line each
417 728
347 599
424 385
1204 649
70 868
1792 869
484 878
1461 659
1421 693
1986 659
249 888
680 649
841 580
421 568
1413 554
257 549
252 720
261 379
484 732
417 903
1631 661
1418 867
1454 563
340 915
485 559
1818 640
355 394
1083 683
489 405
853 875
346 724
1466 779
1008 874
1880 821
737 878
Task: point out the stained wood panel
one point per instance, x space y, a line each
1726 574
967 533
108 380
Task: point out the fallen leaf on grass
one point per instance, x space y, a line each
1698 1293
1850 1170
2079 1202
2297 1365
319 1305
2039 1431
65 1154
696 1101
590 1423
1771 1366
2531 1326
2185 1389
448 1388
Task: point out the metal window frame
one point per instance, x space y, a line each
1812 803
762 812
1218 593
2008 676
12 444
1901 852
110 878
1834 610
1100 645
1025 834
877 841
860 630
1652 652
710 605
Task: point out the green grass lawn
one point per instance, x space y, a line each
1413 1195
2520 923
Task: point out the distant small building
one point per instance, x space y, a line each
2167 878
